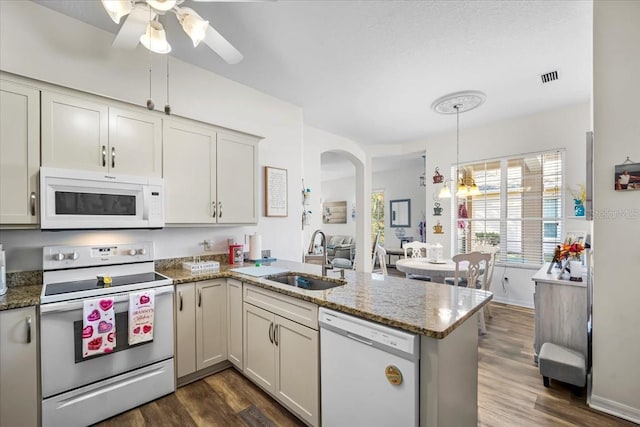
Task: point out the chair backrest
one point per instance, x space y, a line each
415 250
476 263
493 251
382 259
374 249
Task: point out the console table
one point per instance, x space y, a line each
560 311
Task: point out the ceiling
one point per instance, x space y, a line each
369 70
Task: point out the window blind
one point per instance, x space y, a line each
519 208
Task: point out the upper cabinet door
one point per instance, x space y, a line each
19 153
189 173
74 132
135 143
237 180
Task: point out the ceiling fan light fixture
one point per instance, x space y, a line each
193 25
155 38
117 8
162 5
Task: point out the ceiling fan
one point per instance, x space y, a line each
142 26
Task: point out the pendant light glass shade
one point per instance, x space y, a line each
193 25
474 190
445 193
462 189
117 9
155 38
162 5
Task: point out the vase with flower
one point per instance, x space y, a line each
579 198
571 253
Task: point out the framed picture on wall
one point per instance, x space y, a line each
275 188
627 176
334 212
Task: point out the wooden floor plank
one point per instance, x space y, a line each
510 391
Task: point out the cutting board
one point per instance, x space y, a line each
263 270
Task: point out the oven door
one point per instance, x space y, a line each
62 365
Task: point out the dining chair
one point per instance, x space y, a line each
477 264
486 285
416 252
382 260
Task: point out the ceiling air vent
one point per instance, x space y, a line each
549 77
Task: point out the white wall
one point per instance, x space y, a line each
339 190
42 44
616 315
401 184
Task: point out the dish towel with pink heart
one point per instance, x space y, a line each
98 326
141 309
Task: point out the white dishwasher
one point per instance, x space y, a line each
369 373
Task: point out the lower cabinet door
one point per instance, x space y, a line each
18 373
211 322
185 329
234 322
259 350
297 369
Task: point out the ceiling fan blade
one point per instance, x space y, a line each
222 47
136 24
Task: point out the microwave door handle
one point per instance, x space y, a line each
146 201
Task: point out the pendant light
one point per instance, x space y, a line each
456 103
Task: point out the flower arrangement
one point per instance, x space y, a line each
571 251
579 194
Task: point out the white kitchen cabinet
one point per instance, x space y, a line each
234 322
19 153
201 325
210 176
19 402
89 134
281 355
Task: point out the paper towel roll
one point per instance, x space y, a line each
255 247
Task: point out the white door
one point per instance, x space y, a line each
135 143
234 322
259 349
75 132
185 329
19 153
211 322
189 158
297 382
18 368
237 180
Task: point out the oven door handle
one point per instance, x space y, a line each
58 307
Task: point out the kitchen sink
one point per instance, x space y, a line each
304 281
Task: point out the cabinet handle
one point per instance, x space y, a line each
199 297
213 205
275 334
33 203
113 157
28 329
219 209
180 294
271 332
104 155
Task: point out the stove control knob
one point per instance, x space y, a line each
58 257
73 256
142 251
132 252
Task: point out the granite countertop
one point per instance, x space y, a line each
425 308
20 296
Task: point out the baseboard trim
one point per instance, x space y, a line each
611 407
198 375
519 303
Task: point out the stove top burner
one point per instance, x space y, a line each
89 285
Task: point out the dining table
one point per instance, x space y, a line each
437 269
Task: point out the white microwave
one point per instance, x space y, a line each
75 199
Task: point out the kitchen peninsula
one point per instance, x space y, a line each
444 316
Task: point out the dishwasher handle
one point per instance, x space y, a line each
359 339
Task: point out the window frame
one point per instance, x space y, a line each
525 260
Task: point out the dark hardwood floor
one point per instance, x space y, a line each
510 391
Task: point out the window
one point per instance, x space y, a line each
377 215
519 207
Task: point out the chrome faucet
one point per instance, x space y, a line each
325 264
